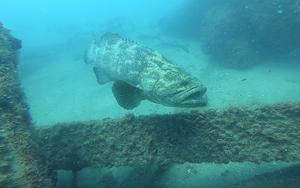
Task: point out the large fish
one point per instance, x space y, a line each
140 73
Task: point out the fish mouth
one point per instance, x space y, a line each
194 97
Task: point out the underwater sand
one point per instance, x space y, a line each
178 176
60 87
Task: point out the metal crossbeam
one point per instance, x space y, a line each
262 134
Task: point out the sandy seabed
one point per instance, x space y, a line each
60 87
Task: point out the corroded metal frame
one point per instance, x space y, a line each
29 157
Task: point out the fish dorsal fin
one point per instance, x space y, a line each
101 76
126 95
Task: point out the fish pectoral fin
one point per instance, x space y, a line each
127 95
101 76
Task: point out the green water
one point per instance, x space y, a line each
60 87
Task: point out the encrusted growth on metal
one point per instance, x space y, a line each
262 134
20 160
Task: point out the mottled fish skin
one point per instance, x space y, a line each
2 135
160 80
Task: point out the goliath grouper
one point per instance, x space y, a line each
140 73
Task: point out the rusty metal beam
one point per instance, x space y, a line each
21 164
261 134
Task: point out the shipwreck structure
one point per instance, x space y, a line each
30 157
21 164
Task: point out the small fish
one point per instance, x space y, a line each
140 73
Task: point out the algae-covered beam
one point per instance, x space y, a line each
261 134
21 164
